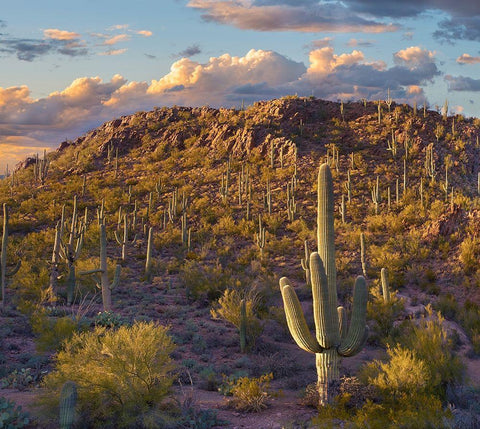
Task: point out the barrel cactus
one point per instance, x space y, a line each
332 340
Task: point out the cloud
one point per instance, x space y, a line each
223 74
109 41
413 57
306 16
114 52
360 42
54 33
55 41
461 18
462 83
321 43
190 51
118 27
145 33
467 59
221 81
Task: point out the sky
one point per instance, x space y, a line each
68 66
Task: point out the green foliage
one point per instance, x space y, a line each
121 375
250 394
12 416
469 254
384 313
203 281
431 343
51 332
229 309
403 373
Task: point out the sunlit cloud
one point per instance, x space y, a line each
119 27
54 33
145 33
116 39
321 43
114 52
309 17
467 59
225 80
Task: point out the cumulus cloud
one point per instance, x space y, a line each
467 59
462 83
225 80
413 57
302 16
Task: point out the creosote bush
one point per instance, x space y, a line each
250 394
123 376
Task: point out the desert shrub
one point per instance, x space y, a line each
431 343
51 332
447 306
228 308
470 319
469 255
384 313
203 281
250 394
122 375
404 372
12 416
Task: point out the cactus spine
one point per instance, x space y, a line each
332 340
68 401
3 255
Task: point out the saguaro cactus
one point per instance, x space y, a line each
68 402
332 341
3 256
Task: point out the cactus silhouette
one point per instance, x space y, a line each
332 340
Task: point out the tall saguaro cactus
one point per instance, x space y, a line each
3 256
332 340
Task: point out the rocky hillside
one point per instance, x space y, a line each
230 196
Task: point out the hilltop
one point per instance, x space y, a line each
201 178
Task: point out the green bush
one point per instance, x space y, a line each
122 375
229 309
250 394
431 343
